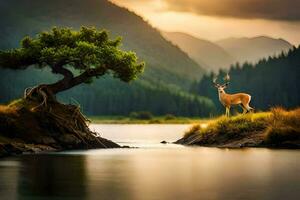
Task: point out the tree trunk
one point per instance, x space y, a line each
70 81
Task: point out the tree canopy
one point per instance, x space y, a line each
88 52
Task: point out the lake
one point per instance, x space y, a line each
153 171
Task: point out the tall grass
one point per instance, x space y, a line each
284 125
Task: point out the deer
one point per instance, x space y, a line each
228 100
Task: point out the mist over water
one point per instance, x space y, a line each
153 171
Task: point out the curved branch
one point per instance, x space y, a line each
89 73
70 81
59 69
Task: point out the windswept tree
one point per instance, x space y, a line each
79 56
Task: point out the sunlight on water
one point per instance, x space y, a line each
138 135
156 172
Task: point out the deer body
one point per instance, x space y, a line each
227 100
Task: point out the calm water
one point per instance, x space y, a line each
153 171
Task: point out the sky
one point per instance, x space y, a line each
219 19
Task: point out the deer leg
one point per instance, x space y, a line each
244 109
227 111
249 109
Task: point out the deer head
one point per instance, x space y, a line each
221 87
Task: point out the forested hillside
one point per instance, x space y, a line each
28 17
108 96
271 82
169 71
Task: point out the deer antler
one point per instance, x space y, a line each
215 81
227 79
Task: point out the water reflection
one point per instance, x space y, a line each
52 176
8 178
111 178
141 135
183 173
210 173
162 172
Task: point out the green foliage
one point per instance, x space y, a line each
144 115
170 117
88 50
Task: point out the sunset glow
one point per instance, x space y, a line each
163 16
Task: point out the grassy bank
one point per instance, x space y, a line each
277 128
153 120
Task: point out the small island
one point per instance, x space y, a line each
275 129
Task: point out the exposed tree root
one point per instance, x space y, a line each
66 118
39 93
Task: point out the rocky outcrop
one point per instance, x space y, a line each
59 127
214 140
250 140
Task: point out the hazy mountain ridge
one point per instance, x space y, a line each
204 52
255 48
221 54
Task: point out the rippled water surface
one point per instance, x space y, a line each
153 171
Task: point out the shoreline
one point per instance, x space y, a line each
15 147
155 120
243 144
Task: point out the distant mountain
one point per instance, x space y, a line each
205 53
221 54
253 49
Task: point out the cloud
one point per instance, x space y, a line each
261 9
287 10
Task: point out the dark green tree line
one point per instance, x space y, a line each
274 81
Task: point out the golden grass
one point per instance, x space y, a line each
276 126
195 129
233 125
6 110
284 125
14 106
